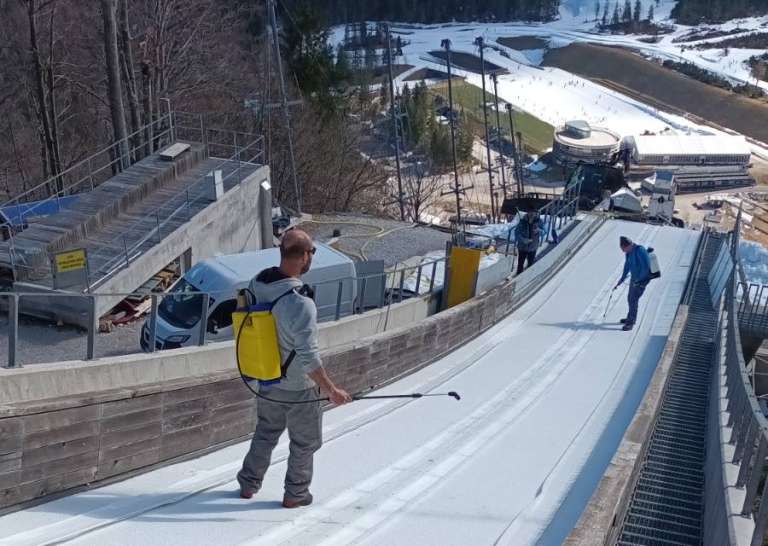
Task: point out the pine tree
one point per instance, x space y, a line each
597 11
615 19
626 15
464 141
638 11
604 21
650 13
342 68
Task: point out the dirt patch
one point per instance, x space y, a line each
428 74
665 88
521 43
381 73
468 62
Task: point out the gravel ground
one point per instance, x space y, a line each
376 238
41 342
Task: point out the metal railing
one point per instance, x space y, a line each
746 421
343 297
752 307
748 424
154 226
88 173
559 212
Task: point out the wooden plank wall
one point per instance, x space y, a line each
42 453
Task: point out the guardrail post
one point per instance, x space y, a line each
338 300
418 280
760 518
90 172
125 248
432 278
361 304
13 330
92 328
153 324
157 218
402 283
204 319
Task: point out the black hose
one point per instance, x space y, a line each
356 396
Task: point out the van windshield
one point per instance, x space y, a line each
182 306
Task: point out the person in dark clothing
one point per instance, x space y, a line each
637 265
528 234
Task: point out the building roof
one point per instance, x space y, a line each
598 137
691 145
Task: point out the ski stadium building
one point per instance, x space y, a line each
577 141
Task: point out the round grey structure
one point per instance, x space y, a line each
577 141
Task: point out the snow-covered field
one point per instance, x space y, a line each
546 397
556 96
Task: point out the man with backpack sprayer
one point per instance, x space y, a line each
295 317
638 265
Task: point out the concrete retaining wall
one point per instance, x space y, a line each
55 444
65 379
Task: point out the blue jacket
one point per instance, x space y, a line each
528 235
638 264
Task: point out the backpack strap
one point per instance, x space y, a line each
284 367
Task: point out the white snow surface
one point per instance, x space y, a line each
546 397
556 96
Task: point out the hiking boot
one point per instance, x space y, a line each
296 503
247 492
627 326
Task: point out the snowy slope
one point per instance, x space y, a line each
556 96
576 11
546 397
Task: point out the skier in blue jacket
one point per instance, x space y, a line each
637 265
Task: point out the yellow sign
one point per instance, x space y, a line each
72 260
464 264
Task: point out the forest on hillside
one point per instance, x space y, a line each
693 12
433 11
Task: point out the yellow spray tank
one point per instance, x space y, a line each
256 346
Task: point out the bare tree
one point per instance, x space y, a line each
422 190
129 75
45 97
114 81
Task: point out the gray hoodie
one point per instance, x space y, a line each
296 319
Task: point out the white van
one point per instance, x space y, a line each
178 314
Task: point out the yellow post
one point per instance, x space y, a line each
464 263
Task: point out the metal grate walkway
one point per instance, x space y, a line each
668 499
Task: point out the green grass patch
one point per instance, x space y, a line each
537 135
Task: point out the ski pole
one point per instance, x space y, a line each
609 302
453 394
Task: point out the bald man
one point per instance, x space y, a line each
296 318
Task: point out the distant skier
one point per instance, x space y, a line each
637 263
528 233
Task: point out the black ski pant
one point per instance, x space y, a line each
522 257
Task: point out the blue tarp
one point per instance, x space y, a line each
18 214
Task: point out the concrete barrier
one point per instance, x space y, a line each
171 404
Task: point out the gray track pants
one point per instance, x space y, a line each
304 423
